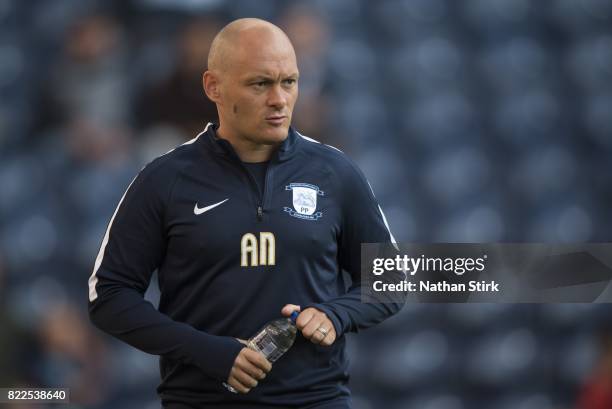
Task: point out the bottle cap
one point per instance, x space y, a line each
294 316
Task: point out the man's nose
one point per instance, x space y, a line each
277 97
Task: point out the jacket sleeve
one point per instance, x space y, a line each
363 222
133 247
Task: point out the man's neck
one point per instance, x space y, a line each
248 151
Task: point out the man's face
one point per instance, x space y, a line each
258 91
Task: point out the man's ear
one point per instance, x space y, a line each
210 82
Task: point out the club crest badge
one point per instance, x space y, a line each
304 201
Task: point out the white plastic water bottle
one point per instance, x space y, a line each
274 339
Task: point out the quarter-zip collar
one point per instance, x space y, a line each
222 147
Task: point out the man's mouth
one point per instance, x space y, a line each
276 119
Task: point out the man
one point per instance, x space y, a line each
245 222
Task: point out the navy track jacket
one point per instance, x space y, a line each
229 258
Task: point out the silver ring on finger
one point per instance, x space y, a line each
323 331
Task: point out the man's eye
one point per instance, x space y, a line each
260 84
290 81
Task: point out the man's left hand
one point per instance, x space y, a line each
313 324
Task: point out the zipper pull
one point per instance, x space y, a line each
259 213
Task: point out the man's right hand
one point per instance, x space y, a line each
249 368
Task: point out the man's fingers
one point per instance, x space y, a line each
309 329
237 385
289 308
250 369
329 339
257 359
238 378
304 318
316 327
244 378
319 337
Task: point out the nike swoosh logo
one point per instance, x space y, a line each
199 210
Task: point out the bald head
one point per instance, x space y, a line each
252 77
244 37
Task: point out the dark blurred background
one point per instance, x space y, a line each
474 120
